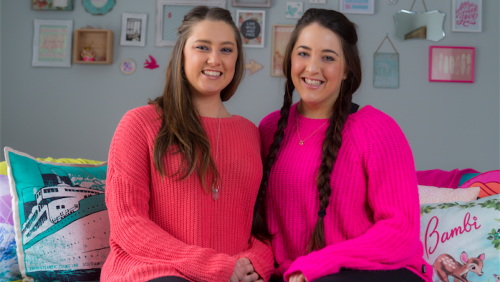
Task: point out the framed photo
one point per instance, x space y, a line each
169 16
466 15
357 6
52 43
252 4
451 64
98 7
134 29
294 10
281 36
52 5
251 24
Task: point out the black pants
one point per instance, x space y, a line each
169 279
352 275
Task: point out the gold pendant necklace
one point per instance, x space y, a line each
216 186
301 142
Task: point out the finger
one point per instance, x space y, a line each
243 261
234 278
250 278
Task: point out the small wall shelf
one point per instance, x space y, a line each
99 40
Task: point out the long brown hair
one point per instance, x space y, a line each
181 126
346 31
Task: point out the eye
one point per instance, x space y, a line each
202 47
226 50
302 54
329 58
473 267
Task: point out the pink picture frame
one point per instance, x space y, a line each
451 64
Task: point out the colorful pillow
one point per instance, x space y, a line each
462 239
60 218
434 195
9 269
489 182
3 165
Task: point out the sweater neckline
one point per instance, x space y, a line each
312 121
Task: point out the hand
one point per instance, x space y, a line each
243 271
297 277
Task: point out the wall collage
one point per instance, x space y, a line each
53 45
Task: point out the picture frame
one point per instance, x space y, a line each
451 64
252 26
243 3
133 30
169 16
357 6
466 15
294 10
317 1
281 36
52 5
128 66
52 43
98 7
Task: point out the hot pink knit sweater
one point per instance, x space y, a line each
169 227
372 221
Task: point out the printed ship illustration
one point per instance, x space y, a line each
67 228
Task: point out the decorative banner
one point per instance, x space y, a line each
357 6
253 67
251 26
386 70
151 64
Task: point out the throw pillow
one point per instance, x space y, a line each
434 195
60 218
489 182
462 239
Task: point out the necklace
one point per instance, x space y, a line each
301 142
216 186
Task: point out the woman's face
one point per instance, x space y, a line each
210 56
318 66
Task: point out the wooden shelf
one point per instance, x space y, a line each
99 40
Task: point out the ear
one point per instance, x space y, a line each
481 257
464 257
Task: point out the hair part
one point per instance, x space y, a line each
181 130
346 31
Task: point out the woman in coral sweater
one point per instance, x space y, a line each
341 191
184 174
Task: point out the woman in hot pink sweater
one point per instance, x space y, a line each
341 195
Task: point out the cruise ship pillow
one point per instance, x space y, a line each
462 239
60 218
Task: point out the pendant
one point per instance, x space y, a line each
301 142
215 192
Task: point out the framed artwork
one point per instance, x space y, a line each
98 7
169 16
52 5
252 4
451 64
317 1
52 43
134 29
281 36
386 70
294 10
357 6
466 15
251 24
128 66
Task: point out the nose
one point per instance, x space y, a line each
214 59
313 65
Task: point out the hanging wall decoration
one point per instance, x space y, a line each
466 15
134 29
253 4
253 67
127 66
52 43
98 7
357 6
317 1
151 64
251 24
386 68
52 5
281 36
169 16
451 64
294 10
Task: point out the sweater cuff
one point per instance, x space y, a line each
311 269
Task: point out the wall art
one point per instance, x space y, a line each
52 5
98 7
317 1
52 43
127 66
357 6
466 15
251 24
134 29
281 36
386 67
294 10
251 4
451 64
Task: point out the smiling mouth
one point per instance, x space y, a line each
212 73
312 82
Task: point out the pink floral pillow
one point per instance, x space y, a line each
434 195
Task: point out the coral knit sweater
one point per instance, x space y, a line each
373 219
174 228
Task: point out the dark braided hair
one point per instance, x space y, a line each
346 31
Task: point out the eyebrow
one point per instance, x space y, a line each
210 42
324 50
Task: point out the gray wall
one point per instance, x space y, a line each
73 112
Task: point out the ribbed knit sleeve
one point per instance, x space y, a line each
392 241
127 199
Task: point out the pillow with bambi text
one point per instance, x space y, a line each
434 195
462 239
489 182
60 218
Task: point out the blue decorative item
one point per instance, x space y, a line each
294 10
98 7
386 68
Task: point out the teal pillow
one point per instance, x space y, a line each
462 238
60 218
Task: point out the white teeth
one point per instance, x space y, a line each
212 73
313 82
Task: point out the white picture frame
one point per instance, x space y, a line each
166 28
258 16
133 30
366 7
52 41
466 19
